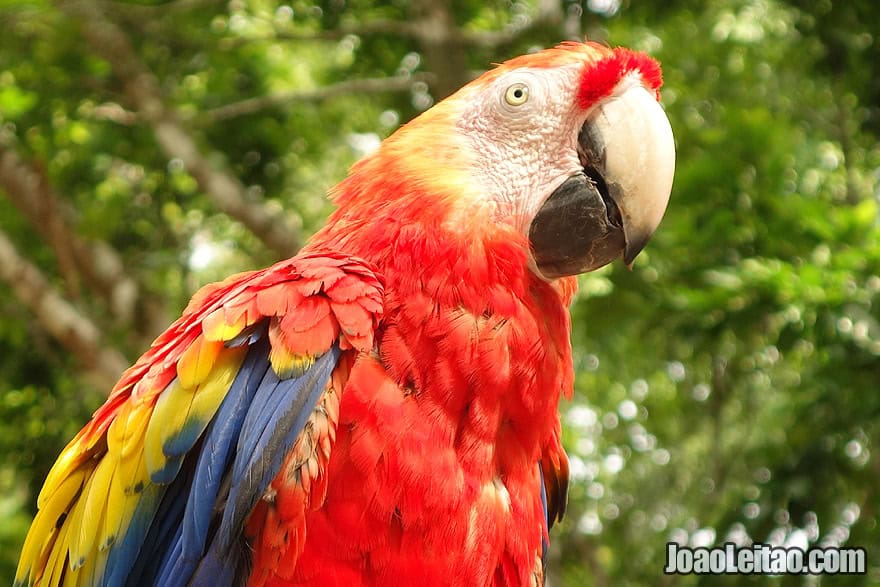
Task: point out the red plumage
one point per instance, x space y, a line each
420 455
599 81
445 426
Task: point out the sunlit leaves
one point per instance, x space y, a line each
726 387
764 287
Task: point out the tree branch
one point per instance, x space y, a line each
100 266
423 30
28 191
142 88
115 113
397 28
62 320
549 14
445 46
357 86
441 44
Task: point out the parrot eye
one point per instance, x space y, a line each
517 94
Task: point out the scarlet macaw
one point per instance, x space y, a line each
382 407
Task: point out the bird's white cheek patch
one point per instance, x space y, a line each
521 153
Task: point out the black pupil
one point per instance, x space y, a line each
517 93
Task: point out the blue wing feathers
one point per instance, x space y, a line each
177 536
544 545
249 335
214 458
266 404
215 570
124 555
161 540
179 445
169 472
270 430
218 451
167 573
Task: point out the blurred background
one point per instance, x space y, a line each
728 388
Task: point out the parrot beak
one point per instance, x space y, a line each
614 205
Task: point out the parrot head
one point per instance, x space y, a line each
567 149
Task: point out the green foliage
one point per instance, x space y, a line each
726 387
739 356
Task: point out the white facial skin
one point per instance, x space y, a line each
525 136
522 131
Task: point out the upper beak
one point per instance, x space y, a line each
615 204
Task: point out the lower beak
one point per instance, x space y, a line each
615 203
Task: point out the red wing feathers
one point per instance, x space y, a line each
98 503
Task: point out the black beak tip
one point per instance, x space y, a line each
633 248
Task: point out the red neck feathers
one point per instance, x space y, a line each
469 329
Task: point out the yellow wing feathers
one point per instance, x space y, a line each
111 476
90 499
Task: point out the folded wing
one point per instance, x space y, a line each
212 447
